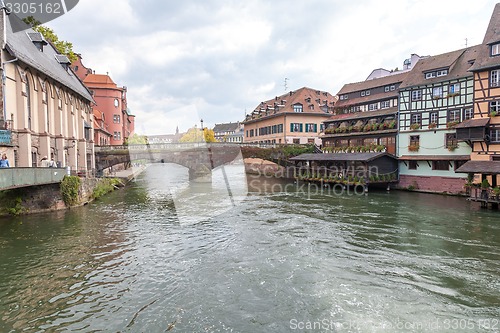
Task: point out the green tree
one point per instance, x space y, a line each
61 46
195 135
137 139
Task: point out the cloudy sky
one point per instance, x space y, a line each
187 60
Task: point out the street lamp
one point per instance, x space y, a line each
201 121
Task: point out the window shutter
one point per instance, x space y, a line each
316 128
291 127
301 128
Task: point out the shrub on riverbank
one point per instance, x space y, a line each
69 190
105 186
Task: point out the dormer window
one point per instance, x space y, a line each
297 108
37 40
495 49
430 75
442 72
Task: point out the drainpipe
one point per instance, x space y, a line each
4 78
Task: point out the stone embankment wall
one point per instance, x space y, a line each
43 198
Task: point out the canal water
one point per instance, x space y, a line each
164 255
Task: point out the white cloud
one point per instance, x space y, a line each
221 60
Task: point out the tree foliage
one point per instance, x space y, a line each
61 46
137 139
195 135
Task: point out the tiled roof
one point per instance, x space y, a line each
476 122
374 83
226 127
305 96
99 81
458 63
20 46
492 36
362 157
486 167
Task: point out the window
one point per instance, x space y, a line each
362 93
295 127
451 140
495 107
368 93
412 165
468 113
28 102
385 104
416 95
252 133
297 108
310 141
393 87
343 97
430 75
321 127
386 89
495 49
117 135
433 118
495 135
311 128
440 165
373 106
495 78
437 92
116 118
454 88
280 128
116 102
416 119
296 141
454 115
442 72
414 143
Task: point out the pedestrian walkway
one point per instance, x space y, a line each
129 173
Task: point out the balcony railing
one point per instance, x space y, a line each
23 177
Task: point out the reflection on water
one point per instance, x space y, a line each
278 259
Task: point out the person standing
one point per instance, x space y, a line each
4 162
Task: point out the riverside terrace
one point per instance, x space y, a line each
375 168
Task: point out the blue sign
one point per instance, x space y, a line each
5 137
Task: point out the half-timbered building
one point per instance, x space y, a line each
435 97
482 132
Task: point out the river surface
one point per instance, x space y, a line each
163 255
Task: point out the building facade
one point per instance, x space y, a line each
111 101
226 132
294 118
46 110
365 116
434 99
482 132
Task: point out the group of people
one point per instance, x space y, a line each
4 162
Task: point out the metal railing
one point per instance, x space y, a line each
23 177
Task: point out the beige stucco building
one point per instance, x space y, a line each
294 118
46 110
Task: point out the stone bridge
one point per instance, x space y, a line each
199 158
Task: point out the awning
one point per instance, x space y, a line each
341 157
434 158
485 167
478 122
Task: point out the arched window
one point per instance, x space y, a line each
28 101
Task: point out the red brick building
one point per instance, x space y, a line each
114 116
